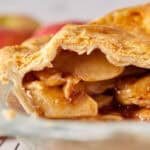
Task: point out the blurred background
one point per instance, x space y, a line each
23 19
48 11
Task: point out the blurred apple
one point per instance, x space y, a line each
15 29
53 28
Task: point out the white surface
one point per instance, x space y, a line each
10 144
56 10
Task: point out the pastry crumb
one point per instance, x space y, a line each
9 114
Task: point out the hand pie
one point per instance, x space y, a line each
77 72
55 63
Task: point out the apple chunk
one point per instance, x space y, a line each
93 67
51 103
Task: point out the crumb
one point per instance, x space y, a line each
9 114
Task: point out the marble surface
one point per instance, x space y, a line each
56 10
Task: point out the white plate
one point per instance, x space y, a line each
39 133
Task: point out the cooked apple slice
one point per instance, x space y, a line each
112 117
50 77
103 100
72 88
65 62
93 67
51 103
94 88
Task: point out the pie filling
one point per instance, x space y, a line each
88 86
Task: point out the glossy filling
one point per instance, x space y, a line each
88 87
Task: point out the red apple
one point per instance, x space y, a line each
53 28
16 29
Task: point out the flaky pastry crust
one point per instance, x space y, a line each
112 35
